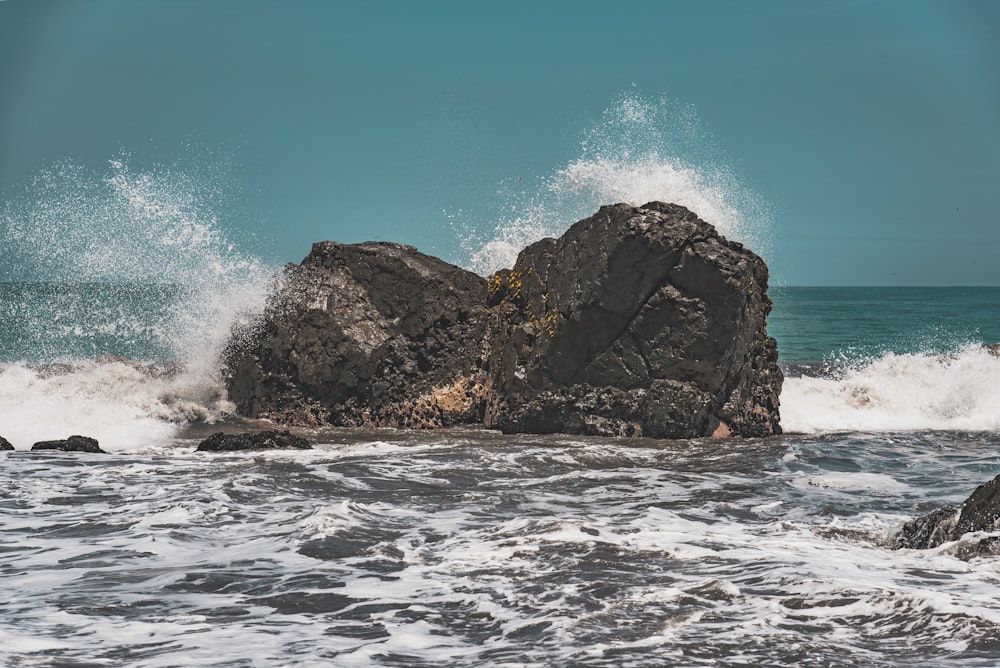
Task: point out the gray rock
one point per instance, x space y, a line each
263 440
636 321
367 335
928 530
5 444
71 444
980 512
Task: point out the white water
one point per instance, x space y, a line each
910 392
124 405
493 551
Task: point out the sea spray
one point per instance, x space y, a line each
639 151
107 271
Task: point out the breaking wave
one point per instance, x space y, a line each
898 392
107 271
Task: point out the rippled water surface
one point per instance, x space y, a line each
474 549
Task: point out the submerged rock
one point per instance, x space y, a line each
263 440
71 444
638 321
5 444
980 512
367 335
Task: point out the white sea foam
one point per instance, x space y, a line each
123 405
640 151
957 391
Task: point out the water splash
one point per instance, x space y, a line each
104 271
640 150
127 230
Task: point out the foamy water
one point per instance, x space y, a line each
123 405
917 391
481 550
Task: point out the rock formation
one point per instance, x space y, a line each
375 334
263 440
980 512
5 444
637 321
71 444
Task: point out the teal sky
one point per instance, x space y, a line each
870 131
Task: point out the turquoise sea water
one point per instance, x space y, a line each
62 322
837 324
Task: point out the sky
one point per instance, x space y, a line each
859 140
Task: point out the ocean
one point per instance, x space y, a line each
466 547
471 548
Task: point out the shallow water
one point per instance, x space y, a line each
473 549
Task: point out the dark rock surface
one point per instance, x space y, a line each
367 335
980 512
71 444
264 440
5 444
636 321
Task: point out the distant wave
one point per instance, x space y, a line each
921 391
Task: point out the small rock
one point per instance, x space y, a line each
5 444
928 530
263 440
980 512
71 444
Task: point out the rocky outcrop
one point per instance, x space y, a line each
368 335
263 440
637 321
980 512
5 444
71 444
